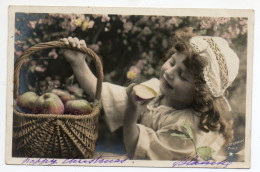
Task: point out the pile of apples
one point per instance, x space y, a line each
56 101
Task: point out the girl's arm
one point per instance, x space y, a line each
130 129
130 132
84 75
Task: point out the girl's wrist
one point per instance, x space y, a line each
77 63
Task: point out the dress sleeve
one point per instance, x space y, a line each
159 145
113 99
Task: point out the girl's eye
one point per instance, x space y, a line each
183 76
172 62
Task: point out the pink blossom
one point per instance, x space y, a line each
25 47
124 41
31 24
73 27
225 35
40 69
99 43
144 19
105 18
135 69
233 34
73 88
153 19
172 20
18 53
216 34
161 20
143 55
94 47
91 24
156 26
95 16
150 71
53 54
48 78
147 31
128 26
56 83
42 21
19 43
45 62
164 43
208 25
50 21
31 41
244 29
230 29
202 25
140 64
223 20
73 17
237 30
18 32
229 41
33 63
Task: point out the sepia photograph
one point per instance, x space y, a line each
128 86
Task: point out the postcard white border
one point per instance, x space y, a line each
131 11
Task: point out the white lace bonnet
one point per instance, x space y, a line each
223 66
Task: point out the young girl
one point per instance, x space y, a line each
191 92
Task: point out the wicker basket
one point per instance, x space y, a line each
56 135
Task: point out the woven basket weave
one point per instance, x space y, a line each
56 135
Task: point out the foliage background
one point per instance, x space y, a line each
131 49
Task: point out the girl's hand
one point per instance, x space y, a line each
87 80
134 108
74 57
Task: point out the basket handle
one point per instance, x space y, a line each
58 44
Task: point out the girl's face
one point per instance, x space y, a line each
176 83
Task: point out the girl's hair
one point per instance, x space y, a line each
215 115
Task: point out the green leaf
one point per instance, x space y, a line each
188 129
205 152
179 134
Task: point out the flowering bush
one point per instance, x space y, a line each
130 47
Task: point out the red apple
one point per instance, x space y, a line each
63 95
78 107
48 103
26 100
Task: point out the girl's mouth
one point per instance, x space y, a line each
166 84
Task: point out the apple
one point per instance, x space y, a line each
63 95
143 92
26 100
78 107
48 103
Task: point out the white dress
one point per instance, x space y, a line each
154 140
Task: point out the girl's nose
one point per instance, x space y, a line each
170 73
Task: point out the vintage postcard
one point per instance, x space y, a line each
133 87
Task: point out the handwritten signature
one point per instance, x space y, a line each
100 160
195 162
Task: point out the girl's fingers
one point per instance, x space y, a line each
71 41
76 40
83 43
65 40
129 89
